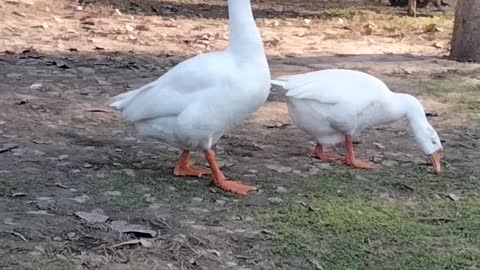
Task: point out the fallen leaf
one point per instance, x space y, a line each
18 14
431 28
316 264
23 101
8 147
144 242
123 226
129 28
453 197
214 251
275 200
379 145
92 217
19 194
58 184
80 199
112 193
39 212
19 235
279 168
9 221
141 27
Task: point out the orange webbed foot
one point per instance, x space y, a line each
235 187
328 157
183 167
187 170
358 164
319 153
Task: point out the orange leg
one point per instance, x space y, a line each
183 168
319 153
219 178
350 159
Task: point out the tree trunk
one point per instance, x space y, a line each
412 8
466 31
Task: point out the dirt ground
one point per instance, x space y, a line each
63 151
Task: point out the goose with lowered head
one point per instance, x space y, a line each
192 105
335 104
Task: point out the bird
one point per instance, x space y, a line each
333 105
192 105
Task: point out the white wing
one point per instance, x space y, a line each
336 87
175 90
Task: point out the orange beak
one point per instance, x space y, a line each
435 158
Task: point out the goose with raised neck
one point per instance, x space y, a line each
192 105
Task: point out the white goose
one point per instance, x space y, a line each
192 105
333 105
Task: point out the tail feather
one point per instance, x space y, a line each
278 82
119 102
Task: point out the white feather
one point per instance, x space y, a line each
329 104
193 104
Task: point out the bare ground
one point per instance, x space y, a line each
70 153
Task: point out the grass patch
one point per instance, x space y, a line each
354 229
460 90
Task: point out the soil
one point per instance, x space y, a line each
70 152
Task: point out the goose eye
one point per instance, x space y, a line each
434 142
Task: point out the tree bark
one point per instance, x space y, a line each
466 31
412 8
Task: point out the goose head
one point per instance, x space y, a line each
425 135
428 140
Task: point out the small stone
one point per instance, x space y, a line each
172 188
220 202
71 235
281 190
37 87
275 200
14 75
129 172
62 157
379 145
80 199
453 197
87 165
112 193
231 264
197 200
279 168
198 227
56 238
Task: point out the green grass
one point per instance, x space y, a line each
460 90
355 229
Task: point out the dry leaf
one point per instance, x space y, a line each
39 212
129 28
18 14
80 199
141 27
8 147
92 217
19 235
431 28
453 197
279 168
19 194
123 226
144 242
